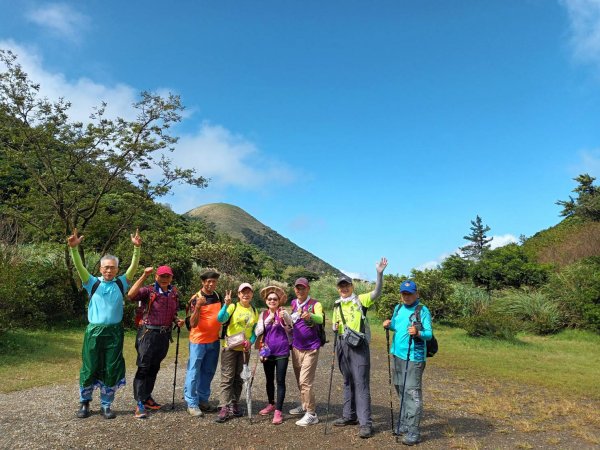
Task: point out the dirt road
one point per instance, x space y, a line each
455 417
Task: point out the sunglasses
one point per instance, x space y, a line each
272 299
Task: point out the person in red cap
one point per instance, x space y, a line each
160 303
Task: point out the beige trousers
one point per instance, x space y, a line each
305 368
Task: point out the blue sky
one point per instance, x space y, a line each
357 129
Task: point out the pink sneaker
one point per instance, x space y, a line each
277 417
267 410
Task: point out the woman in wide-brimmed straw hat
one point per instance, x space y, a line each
275 326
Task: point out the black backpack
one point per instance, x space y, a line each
431 344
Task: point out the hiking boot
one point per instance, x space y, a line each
151 404
401 430
342 422
308 419
411 439
223 414
84 410
207 407
297 411
267 410
365 431
140 411
195 411
234 410
277 417
108 413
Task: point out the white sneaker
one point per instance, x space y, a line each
195 411
308 419
297 411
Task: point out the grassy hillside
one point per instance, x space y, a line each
569 241
237 223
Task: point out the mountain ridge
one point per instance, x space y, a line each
239 224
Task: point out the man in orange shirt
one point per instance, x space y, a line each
204 345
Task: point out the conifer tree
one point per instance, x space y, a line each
479 243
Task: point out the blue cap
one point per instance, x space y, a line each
408 286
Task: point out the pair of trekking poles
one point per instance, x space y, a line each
395 431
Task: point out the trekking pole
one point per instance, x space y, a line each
250 386
387 338
176 358
335 339
399 424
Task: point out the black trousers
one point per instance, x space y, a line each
152 347
270 366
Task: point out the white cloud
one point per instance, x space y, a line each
590 162
353 275
83 93
502 240
584 22
229 159
226 158
60 19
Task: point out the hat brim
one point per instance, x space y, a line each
264 293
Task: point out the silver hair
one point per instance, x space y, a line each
108 257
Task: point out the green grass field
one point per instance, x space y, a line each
566 362
36 358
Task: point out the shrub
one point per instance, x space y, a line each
35 288
491 323
467 300
536 311
576 289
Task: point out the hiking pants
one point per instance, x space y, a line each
280 364
305 368
103 365
232 363
355 365
201 368
152 347
412 408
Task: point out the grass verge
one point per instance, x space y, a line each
31 358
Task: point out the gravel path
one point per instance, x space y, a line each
45 418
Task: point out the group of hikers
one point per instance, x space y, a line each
220 327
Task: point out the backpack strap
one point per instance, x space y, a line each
395 313
226 324
97 283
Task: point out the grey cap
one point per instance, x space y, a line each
344 279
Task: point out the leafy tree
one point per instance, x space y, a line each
508 266
587 203
68 173
479 242
456 268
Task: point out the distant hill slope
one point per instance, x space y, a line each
237 223
570 240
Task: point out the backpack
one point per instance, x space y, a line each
141 311
431 344
95 288
320 327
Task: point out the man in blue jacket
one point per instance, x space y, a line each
409 348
